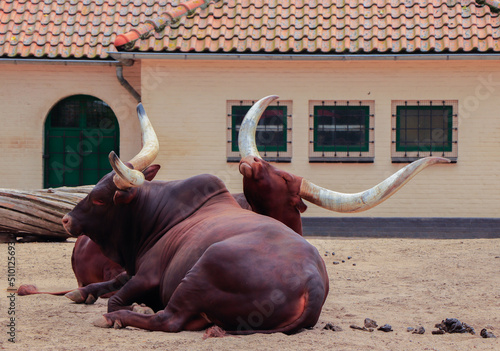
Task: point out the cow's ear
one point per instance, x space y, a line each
299 204
123 197
150 172
246 170
257 171
302 207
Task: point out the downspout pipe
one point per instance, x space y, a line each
126 84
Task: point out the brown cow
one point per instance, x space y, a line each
279 194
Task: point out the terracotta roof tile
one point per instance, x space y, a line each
89 28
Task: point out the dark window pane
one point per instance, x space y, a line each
424 128
271 130
99 115
341 128
66 114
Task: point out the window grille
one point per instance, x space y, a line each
424 128
341 131
274 131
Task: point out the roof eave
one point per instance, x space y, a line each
64 62
122 56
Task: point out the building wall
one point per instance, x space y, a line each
186 101
29 91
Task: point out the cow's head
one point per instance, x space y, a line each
272 192
95 214
278 194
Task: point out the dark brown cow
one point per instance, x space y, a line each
196 254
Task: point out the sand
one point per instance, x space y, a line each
402 282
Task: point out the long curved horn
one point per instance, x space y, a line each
126 177
365 200
246 138
326 198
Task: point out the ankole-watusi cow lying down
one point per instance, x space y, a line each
193 253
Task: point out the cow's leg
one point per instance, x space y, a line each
89 294
166 320
110 273
140 288
183 311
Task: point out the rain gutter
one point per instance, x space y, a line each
126 84
124 56
20 61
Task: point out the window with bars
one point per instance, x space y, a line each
341 131
424 128
273 135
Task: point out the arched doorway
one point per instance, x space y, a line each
80 132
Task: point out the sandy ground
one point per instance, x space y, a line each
402 282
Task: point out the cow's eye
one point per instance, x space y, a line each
98 202
287 178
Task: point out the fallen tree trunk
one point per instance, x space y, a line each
38 213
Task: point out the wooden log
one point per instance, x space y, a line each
38 213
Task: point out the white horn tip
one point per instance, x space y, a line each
436 159
125 177
271 98
140 110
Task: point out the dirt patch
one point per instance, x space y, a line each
405 283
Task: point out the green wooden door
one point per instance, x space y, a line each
80 132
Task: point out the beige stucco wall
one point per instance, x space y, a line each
29 91
186 101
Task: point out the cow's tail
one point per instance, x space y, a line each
28 289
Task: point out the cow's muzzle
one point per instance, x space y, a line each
67 222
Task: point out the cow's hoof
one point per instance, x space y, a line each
90 299
214 332
142 309
75 296
102 322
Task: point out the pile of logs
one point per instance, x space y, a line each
35 215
